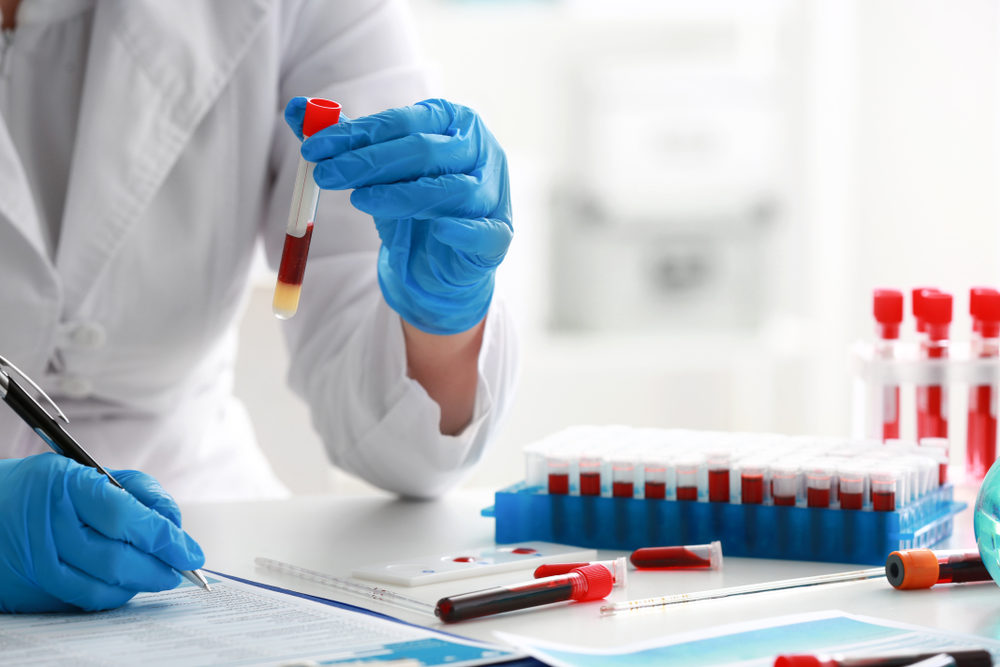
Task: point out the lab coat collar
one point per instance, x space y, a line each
16 203
152 74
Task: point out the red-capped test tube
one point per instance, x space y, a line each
618 568
691 557
923 568
978 657
888 311
591 582
932 399
319 114
981 438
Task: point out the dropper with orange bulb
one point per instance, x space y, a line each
319 114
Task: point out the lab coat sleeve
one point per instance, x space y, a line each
347 350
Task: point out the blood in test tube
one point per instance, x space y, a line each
591 582
752 484
678 558
655 484
932 399
883 490
981 434
718 478
687 471
923 568
784 484
818 482
590 475
622 479
558 475
319 114
852 488
888 311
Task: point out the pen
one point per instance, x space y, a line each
52 432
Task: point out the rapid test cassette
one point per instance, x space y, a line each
474 562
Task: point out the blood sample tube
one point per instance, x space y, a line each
888 310
655 473
981 442
937 448
618 568
852 481
558 474
591 582
884 490
752 483
698 556
959 658
622 478
590 474
923 568
718 477
784 483
917 304
319 114
818 481
932 399
688 468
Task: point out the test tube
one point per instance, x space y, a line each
590 474
622 476
691 557
784 483
923 568
932 398
888 311
319 114
688 469
558 473
937 448
618 568
852 480
718 477
981 434
884 486
591 582
655 470
819 476
752 483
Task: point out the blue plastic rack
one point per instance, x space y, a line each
526 513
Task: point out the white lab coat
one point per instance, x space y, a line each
182 162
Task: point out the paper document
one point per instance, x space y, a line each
234 624
756 643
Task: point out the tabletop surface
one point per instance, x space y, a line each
335 534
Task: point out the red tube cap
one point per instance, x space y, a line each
987 312
888 311
320 114
599 583
918 304
552 569
802 661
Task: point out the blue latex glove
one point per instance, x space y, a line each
71 540
435 181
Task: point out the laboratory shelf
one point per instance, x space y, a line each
525 512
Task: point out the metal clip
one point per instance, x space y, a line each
5 364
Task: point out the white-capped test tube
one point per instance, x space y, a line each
819 482
319 114
753 490
591 463
718 465
785 482
884 483
623 474
557 476
852 479
937 448
688 469
656 466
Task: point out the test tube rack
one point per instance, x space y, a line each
616 487
525 512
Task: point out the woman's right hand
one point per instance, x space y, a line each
71 540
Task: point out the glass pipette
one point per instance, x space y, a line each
370 592
665 600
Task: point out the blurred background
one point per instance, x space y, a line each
705 193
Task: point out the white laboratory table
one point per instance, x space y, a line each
336 533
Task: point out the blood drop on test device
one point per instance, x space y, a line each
319 114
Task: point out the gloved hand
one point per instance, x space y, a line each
71 540
435 181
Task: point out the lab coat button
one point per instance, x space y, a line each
76 387
89 336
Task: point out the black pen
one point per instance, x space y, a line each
52 432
